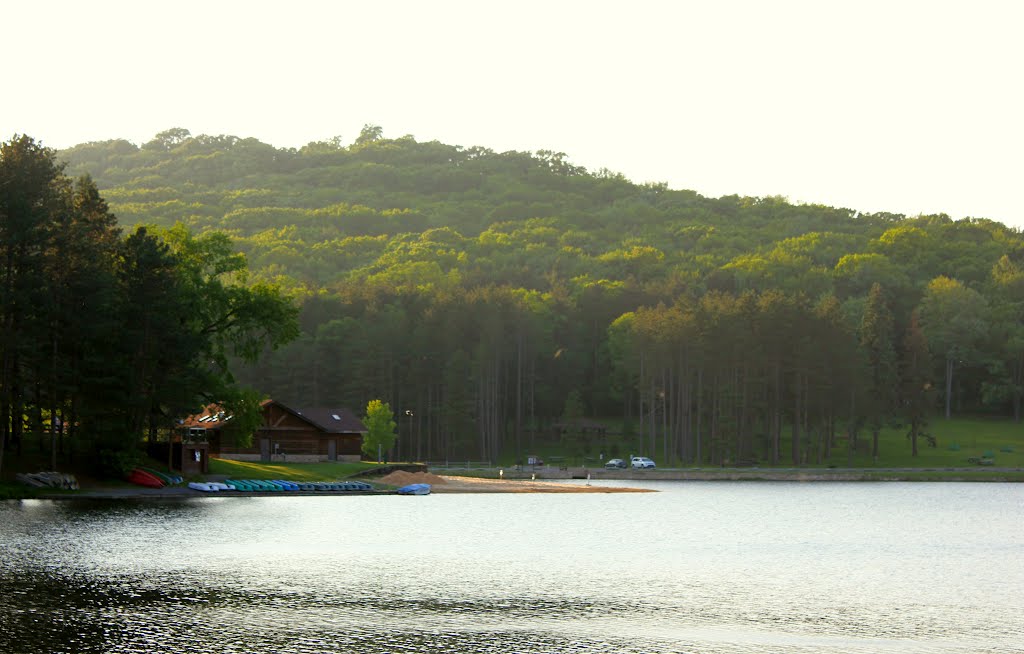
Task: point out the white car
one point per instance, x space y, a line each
641 462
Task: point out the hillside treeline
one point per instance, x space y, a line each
489 297
107 337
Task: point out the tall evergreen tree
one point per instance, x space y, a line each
876 338
32 191
918 393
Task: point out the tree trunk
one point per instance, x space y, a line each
519 397
3 433
665 386
713 427
700 405
829 429
949 385
797 413
851 429
640 399
53 405
1018 379
776 413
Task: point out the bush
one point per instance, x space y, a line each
117 463
16 491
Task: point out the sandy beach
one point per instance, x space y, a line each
453 484
438 484
477 485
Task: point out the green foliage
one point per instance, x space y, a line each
369 134
110 337
117 463
480 289
380 426
16 491
918 391
573 406
877 341
245 407
955 321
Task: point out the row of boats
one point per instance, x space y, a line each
48 479
157 479
277 485
153 478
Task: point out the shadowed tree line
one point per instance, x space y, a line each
107 337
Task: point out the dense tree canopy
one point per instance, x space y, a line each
480 289
106 338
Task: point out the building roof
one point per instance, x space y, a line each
326 419
333 421
212 417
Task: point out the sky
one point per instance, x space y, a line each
908 107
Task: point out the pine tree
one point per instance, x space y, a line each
917 391
876 338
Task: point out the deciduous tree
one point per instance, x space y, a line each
380 426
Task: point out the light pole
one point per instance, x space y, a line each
409 415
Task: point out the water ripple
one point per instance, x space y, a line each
714 569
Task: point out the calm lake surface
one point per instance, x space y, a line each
704 567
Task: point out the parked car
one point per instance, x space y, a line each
641 462
615 463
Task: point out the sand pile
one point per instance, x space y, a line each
403 478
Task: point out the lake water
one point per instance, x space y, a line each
703 567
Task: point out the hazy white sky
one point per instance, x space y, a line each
910 107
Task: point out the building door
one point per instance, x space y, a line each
264 449
332 450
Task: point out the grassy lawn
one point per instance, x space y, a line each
288 471
980 474
16 491
957 441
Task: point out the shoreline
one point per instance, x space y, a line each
453 484
973 474
552 481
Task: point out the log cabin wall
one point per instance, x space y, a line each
285 436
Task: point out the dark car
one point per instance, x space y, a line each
615 463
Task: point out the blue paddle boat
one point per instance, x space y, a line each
415 489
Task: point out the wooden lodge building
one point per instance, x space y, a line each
286 434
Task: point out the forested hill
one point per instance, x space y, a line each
326 213
491 294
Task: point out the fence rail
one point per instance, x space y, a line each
460 465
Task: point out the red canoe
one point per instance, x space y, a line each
143 478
